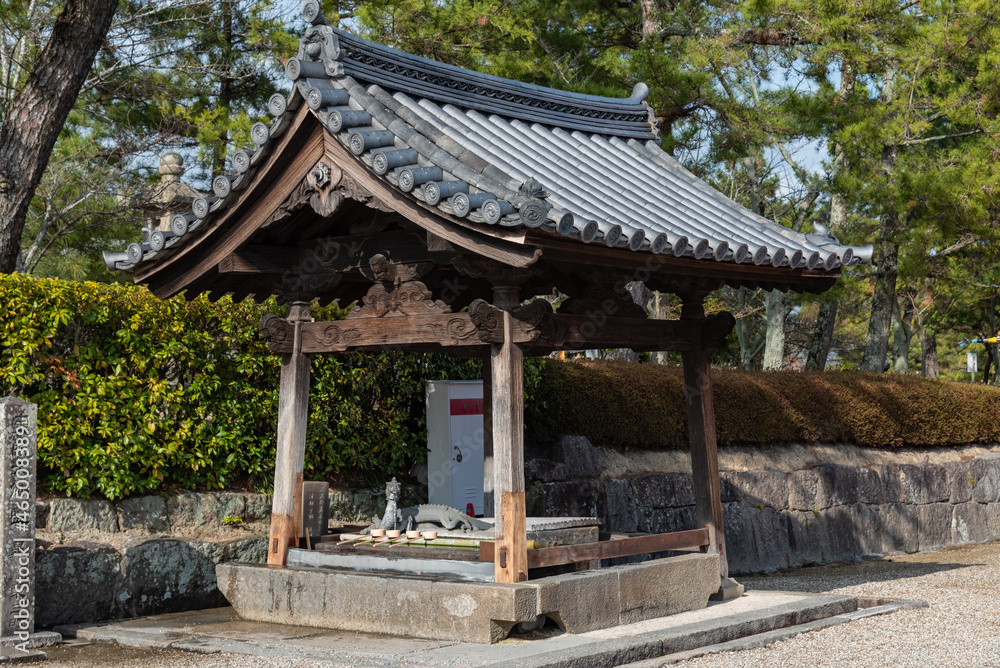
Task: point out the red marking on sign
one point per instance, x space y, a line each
466 406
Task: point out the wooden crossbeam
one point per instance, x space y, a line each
607 549
449 330
332 254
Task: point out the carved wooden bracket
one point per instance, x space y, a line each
410 298
529 320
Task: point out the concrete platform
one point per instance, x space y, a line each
757 615
443 608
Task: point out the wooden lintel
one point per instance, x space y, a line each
607 549
449 330
332 254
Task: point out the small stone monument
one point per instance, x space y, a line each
315 508
18 451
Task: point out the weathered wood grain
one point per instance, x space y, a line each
508 447
293 415
701 430
607 549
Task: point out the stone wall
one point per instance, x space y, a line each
776 520
98 560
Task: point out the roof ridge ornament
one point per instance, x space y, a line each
318 45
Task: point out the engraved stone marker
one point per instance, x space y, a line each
18 448
315 508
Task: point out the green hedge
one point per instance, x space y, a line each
642 406
136 393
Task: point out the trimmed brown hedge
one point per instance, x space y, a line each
641 406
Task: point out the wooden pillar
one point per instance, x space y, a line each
293 415
701 429
488 503
511 549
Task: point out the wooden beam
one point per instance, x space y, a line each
450 330
606 549
511 563
701 430
332 254
293 415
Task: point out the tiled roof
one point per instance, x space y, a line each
501 152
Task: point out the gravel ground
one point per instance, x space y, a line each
960 628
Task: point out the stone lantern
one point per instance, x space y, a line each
170 196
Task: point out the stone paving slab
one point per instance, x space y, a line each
221 630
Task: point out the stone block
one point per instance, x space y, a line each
619 506
870 489
836 485
579 456
934 525
666 586
665 520
867 529
936 485
245 550
763 488
985 472
258 507
993 520
911 485
663 490
350 507
545 470
837 534
77 583
802 490
900 528
581 601
79 514
204 511
890 482
959 489
143 513
770 536
426 608
41 515
169 575
804 540
741 550
968 523
565 499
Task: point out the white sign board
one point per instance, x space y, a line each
971 363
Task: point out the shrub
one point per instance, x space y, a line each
135 392
642 406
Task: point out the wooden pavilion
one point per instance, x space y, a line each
441 201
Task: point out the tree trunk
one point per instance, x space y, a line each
658 311
822 340
774 348
38 113
886 254
928 342
989 364
650 18
887 259
901 335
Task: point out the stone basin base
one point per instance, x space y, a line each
481 612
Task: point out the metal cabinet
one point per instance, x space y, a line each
455 443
